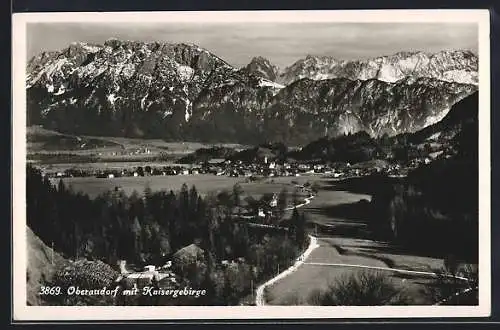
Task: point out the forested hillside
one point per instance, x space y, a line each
436 207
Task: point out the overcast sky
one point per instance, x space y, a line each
281 43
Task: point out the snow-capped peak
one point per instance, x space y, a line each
449 65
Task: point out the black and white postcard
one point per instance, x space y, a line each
247 165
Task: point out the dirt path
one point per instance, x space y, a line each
307 201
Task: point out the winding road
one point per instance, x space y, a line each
259 296
313 244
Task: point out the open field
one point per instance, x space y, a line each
44 143
204 183
297 288
260 188
318 211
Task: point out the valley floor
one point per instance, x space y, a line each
348 249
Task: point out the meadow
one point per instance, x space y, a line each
204 183
43 143
297 288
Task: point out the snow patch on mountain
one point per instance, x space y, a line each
434 136
87 47
464 76
432 119
268 83
167 112
185 72
61 90
387 73
143 101
187 111
112 98
48 71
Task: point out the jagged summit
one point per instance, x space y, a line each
262 67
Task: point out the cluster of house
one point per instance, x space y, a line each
128 152
223 167
134 172
218 167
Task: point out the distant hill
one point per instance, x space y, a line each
205 154
42 139
445 137
353 148
441 139
271 151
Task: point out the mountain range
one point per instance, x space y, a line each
450 65
185 92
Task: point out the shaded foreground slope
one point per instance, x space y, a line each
41 266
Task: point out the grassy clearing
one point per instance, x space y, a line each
258 189
317 209
312 277
298 287
204 183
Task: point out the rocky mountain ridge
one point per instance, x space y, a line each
455 134
449 65
185 92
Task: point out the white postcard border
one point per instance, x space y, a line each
55 313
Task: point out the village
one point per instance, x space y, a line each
250 170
